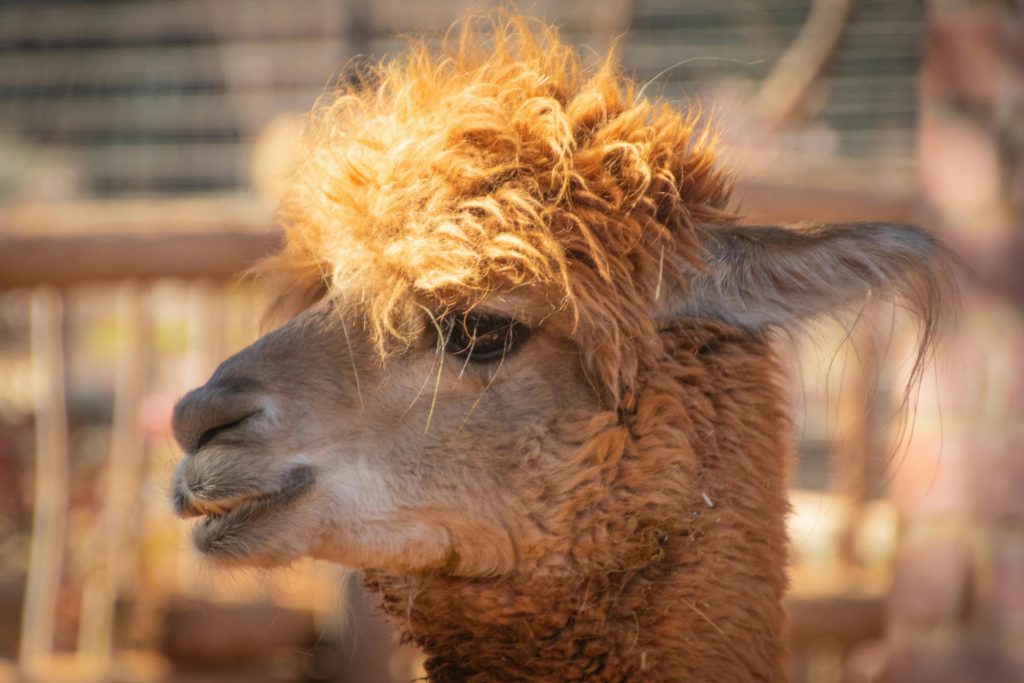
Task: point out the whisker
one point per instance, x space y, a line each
482 392
351 353
440 366
684 62
490 382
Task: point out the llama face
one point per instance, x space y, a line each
308 443
500 168
454 449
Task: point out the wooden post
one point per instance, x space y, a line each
856 437
119 519
49 516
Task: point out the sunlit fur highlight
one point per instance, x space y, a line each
497 163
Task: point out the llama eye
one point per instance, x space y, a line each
482 337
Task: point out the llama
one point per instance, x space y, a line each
531 392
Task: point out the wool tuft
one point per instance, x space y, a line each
493 163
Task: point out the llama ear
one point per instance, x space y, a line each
762 277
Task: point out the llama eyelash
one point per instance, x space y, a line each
481 338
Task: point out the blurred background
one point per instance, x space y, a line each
142 148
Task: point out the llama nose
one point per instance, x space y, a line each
218 406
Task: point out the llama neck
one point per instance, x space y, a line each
686 617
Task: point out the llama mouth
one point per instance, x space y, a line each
218 532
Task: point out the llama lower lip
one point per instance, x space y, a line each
220 533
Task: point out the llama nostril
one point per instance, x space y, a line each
209 411
211 433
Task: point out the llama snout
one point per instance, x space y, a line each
217 410
224 429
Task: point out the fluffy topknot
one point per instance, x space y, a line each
495 163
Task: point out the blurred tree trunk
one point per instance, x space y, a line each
957 606
784 91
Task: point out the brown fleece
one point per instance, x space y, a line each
677 566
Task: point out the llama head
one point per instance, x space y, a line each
497 255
